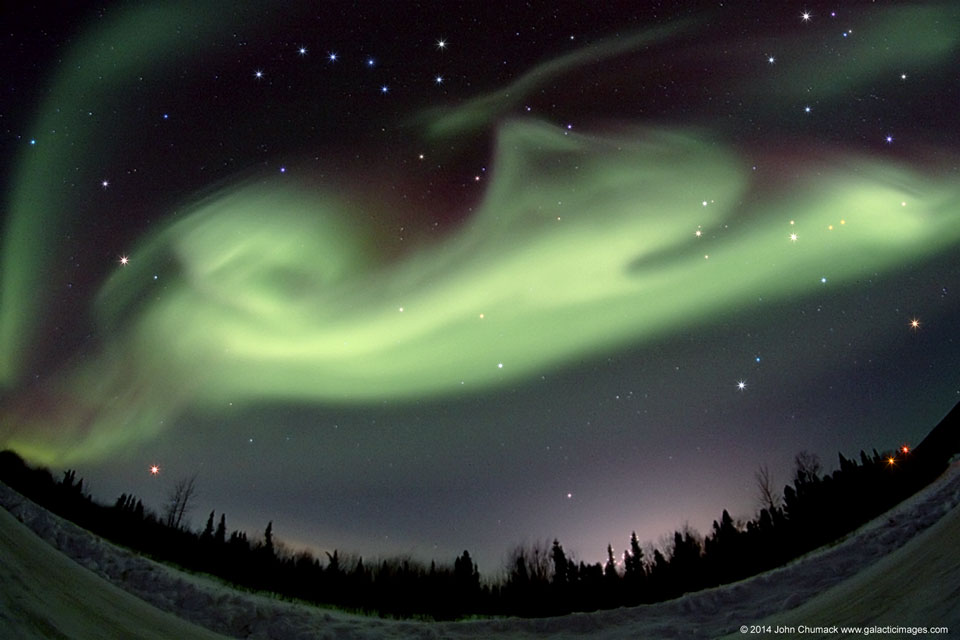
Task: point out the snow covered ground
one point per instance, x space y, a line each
902 569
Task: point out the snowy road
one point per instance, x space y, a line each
901 569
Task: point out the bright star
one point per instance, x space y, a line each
889 139
302 51
741 385
332 56
384 89
154 469
441 44
915 324
771 59
793 237
438 79
903 76
124 260
806 109
371 62
104 184
258 74
499 365
805 16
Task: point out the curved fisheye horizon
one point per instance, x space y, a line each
600 277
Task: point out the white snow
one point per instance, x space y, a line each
901 569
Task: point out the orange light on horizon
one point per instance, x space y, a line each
905 449
891 461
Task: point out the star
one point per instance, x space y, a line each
806 109
499 365
698 233
124 260
332 56
771 59
302 50
371 62
793 237
258 74
915 324
154 469
438 79
441 44
805 16
889 139
104 184
741 385
384 89
903 76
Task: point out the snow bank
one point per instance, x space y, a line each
901 566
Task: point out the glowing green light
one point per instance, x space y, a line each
582 245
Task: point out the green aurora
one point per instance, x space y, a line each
582 244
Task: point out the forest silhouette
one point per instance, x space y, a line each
539 579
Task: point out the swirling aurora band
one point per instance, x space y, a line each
581 245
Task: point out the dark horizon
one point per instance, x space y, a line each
815 510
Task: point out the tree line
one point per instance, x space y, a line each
539 580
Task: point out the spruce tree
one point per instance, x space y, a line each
220 536
207 534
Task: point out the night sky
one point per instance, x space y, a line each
422 277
